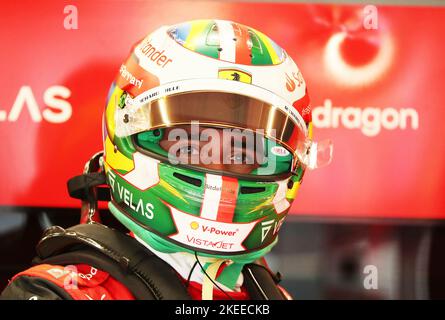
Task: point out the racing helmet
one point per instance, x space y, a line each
197 77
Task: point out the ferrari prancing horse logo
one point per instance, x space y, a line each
235 75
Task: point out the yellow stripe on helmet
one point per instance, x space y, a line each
270 49
292 193
116 159
172 190
310 130
197 28
110 110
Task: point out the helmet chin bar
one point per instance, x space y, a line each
125 219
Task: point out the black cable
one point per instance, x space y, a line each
202 268
190 274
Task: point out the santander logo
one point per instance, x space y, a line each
154 54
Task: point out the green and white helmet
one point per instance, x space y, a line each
202 77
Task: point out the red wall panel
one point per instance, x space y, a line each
377 93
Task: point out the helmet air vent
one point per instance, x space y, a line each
250 190
193 181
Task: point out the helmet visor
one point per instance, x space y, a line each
217 150
218 109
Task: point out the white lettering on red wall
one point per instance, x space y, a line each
369 120
56 108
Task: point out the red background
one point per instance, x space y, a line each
398 173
